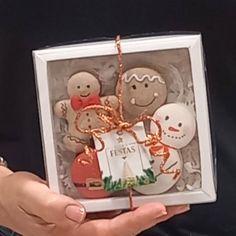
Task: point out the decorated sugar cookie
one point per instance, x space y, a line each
177 123
86 176
143 91
83 89
178 127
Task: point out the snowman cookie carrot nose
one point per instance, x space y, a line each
173 129
177 123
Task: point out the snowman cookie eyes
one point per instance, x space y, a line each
173 130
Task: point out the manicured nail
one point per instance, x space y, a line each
75 213
161 213
164 213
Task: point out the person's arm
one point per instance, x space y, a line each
4 171
28 207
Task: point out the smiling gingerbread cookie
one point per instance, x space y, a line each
143 91
83 88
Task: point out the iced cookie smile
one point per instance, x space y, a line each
173 136
133 101
84 96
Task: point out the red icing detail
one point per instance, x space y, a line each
85 168
78 103
173 129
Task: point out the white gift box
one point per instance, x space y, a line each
180 60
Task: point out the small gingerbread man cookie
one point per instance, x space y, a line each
84 85
143 91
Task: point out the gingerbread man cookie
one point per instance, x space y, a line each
84 85
143 91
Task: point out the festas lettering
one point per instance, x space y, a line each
123 151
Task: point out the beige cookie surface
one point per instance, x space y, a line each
74 140
164 181
178 125
83 84
143 91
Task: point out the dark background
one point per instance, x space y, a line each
28 25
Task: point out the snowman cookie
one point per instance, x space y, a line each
143 91
178 128
86 87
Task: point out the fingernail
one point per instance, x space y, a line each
161 213
75 213
164 213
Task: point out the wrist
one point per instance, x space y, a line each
4 172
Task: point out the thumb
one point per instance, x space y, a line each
36 199
55 208
75 212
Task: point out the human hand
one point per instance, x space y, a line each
28 207
130 223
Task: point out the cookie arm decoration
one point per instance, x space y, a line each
61 108
110 101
